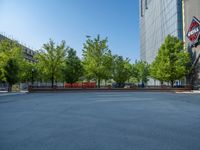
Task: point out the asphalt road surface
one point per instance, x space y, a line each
100 121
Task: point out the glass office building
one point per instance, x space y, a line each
158 18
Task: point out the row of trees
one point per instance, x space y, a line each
59 62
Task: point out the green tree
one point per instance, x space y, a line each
158 69
11 57
121 70
28 72
11 69
97 59
51 61
73 69
1 67
140 71
171 62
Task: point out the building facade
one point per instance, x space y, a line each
159 18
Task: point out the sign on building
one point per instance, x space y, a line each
193 33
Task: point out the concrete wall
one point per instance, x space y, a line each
192 8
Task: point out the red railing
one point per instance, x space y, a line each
80 85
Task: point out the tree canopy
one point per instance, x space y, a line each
171 61
73 68
141 71
121 70
11 58
97 59
11 69
51 60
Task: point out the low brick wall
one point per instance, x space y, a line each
157 89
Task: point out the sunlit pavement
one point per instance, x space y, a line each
191 92
100 121
5 93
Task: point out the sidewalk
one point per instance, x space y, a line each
5 93
191 92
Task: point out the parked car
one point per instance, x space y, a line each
123 85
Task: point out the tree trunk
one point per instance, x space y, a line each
9 87
52 80
120 85
98 82
172 83
161 84
71 84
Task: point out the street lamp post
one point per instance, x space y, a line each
32 71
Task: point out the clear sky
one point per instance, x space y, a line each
34 22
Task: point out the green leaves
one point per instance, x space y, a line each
56 62
28 71
141 71
121 69
10 62
51 60
11 69
97 59
73 68
171 61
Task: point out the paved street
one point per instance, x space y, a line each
100 121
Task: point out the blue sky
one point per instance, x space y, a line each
34 22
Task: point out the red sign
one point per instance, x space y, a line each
194 31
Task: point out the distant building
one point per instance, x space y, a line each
158 18
28 53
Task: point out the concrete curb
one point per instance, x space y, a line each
190 92
12 93
58 90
